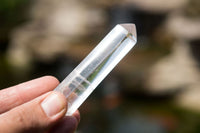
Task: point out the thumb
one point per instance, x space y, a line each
35 116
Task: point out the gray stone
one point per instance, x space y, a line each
178 70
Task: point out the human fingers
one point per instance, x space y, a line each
77 115
19 94
67 125
35 116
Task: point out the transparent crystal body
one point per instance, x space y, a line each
80 83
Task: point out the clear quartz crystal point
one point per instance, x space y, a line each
80 83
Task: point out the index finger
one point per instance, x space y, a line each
22 93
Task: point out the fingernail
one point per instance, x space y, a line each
52 105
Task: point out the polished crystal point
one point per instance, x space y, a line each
130 28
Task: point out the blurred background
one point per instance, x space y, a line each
154 89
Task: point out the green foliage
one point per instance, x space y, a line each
10 5
9 9
12 12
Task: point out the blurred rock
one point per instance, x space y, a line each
157 6
176 71
192 9
72 18
190 98
183 27
53 26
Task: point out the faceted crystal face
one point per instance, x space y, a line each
130 28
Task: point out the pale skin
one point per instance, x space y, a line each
33 107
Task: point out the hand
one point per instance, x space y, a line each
33 107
